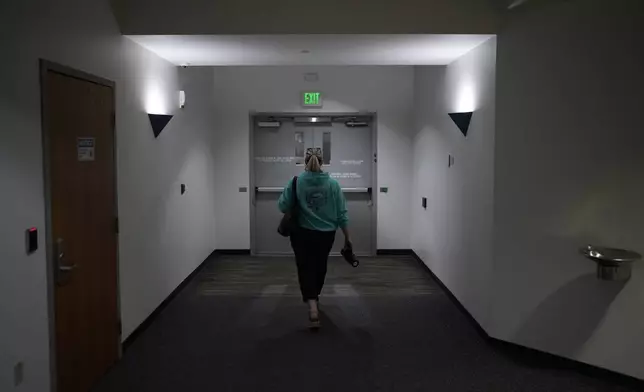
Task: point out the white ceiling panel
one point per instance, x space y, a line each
231 50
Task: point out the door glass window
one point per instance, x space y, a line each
299 148
326 148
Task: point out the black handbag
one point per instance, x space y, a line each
289 224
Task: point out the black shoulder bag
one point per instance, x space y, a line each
289 224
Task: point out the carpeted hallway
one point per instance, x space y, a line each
240 325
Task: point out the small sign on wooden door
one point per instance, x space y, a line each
86 147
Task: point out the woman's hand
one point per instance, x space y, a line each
347 238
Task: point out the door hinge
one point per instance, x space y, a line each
113 120
119 327
116 225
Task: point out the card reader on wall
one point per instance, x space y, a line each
32 240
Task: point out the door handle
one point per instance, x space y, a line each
60 257
67 268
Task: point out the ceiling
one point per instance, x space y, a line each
231 50
226 17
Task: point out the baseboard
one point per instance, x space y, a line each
150 319
232 252
395 252
537 358
534 357
452 297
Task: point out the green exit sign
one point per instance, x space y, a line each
312 99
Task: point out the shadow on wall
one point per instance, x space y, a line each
566 320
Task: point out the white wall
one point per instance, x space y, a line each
385 90
566 162
569 160
454 235
163 237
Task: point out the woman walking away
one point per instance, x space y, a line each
322 210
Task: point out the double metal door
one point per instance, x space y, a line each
279 149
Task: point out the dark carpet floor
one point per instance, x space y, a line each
240 325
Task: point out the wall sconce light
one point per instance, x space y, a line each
182 99
158 122
462 121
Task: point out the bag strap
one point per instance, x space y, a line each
295 204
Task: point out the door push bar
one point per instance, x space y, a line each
274 189
268 189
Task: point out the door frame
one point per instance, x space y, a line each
47 66
374 165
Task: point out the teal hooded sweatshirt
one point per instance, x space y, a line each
321 202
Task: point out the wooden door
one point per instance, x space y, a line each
82 192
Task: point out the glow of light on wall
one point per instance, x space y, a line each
156 101
465 97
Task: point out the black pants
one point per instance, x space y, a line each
312 250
